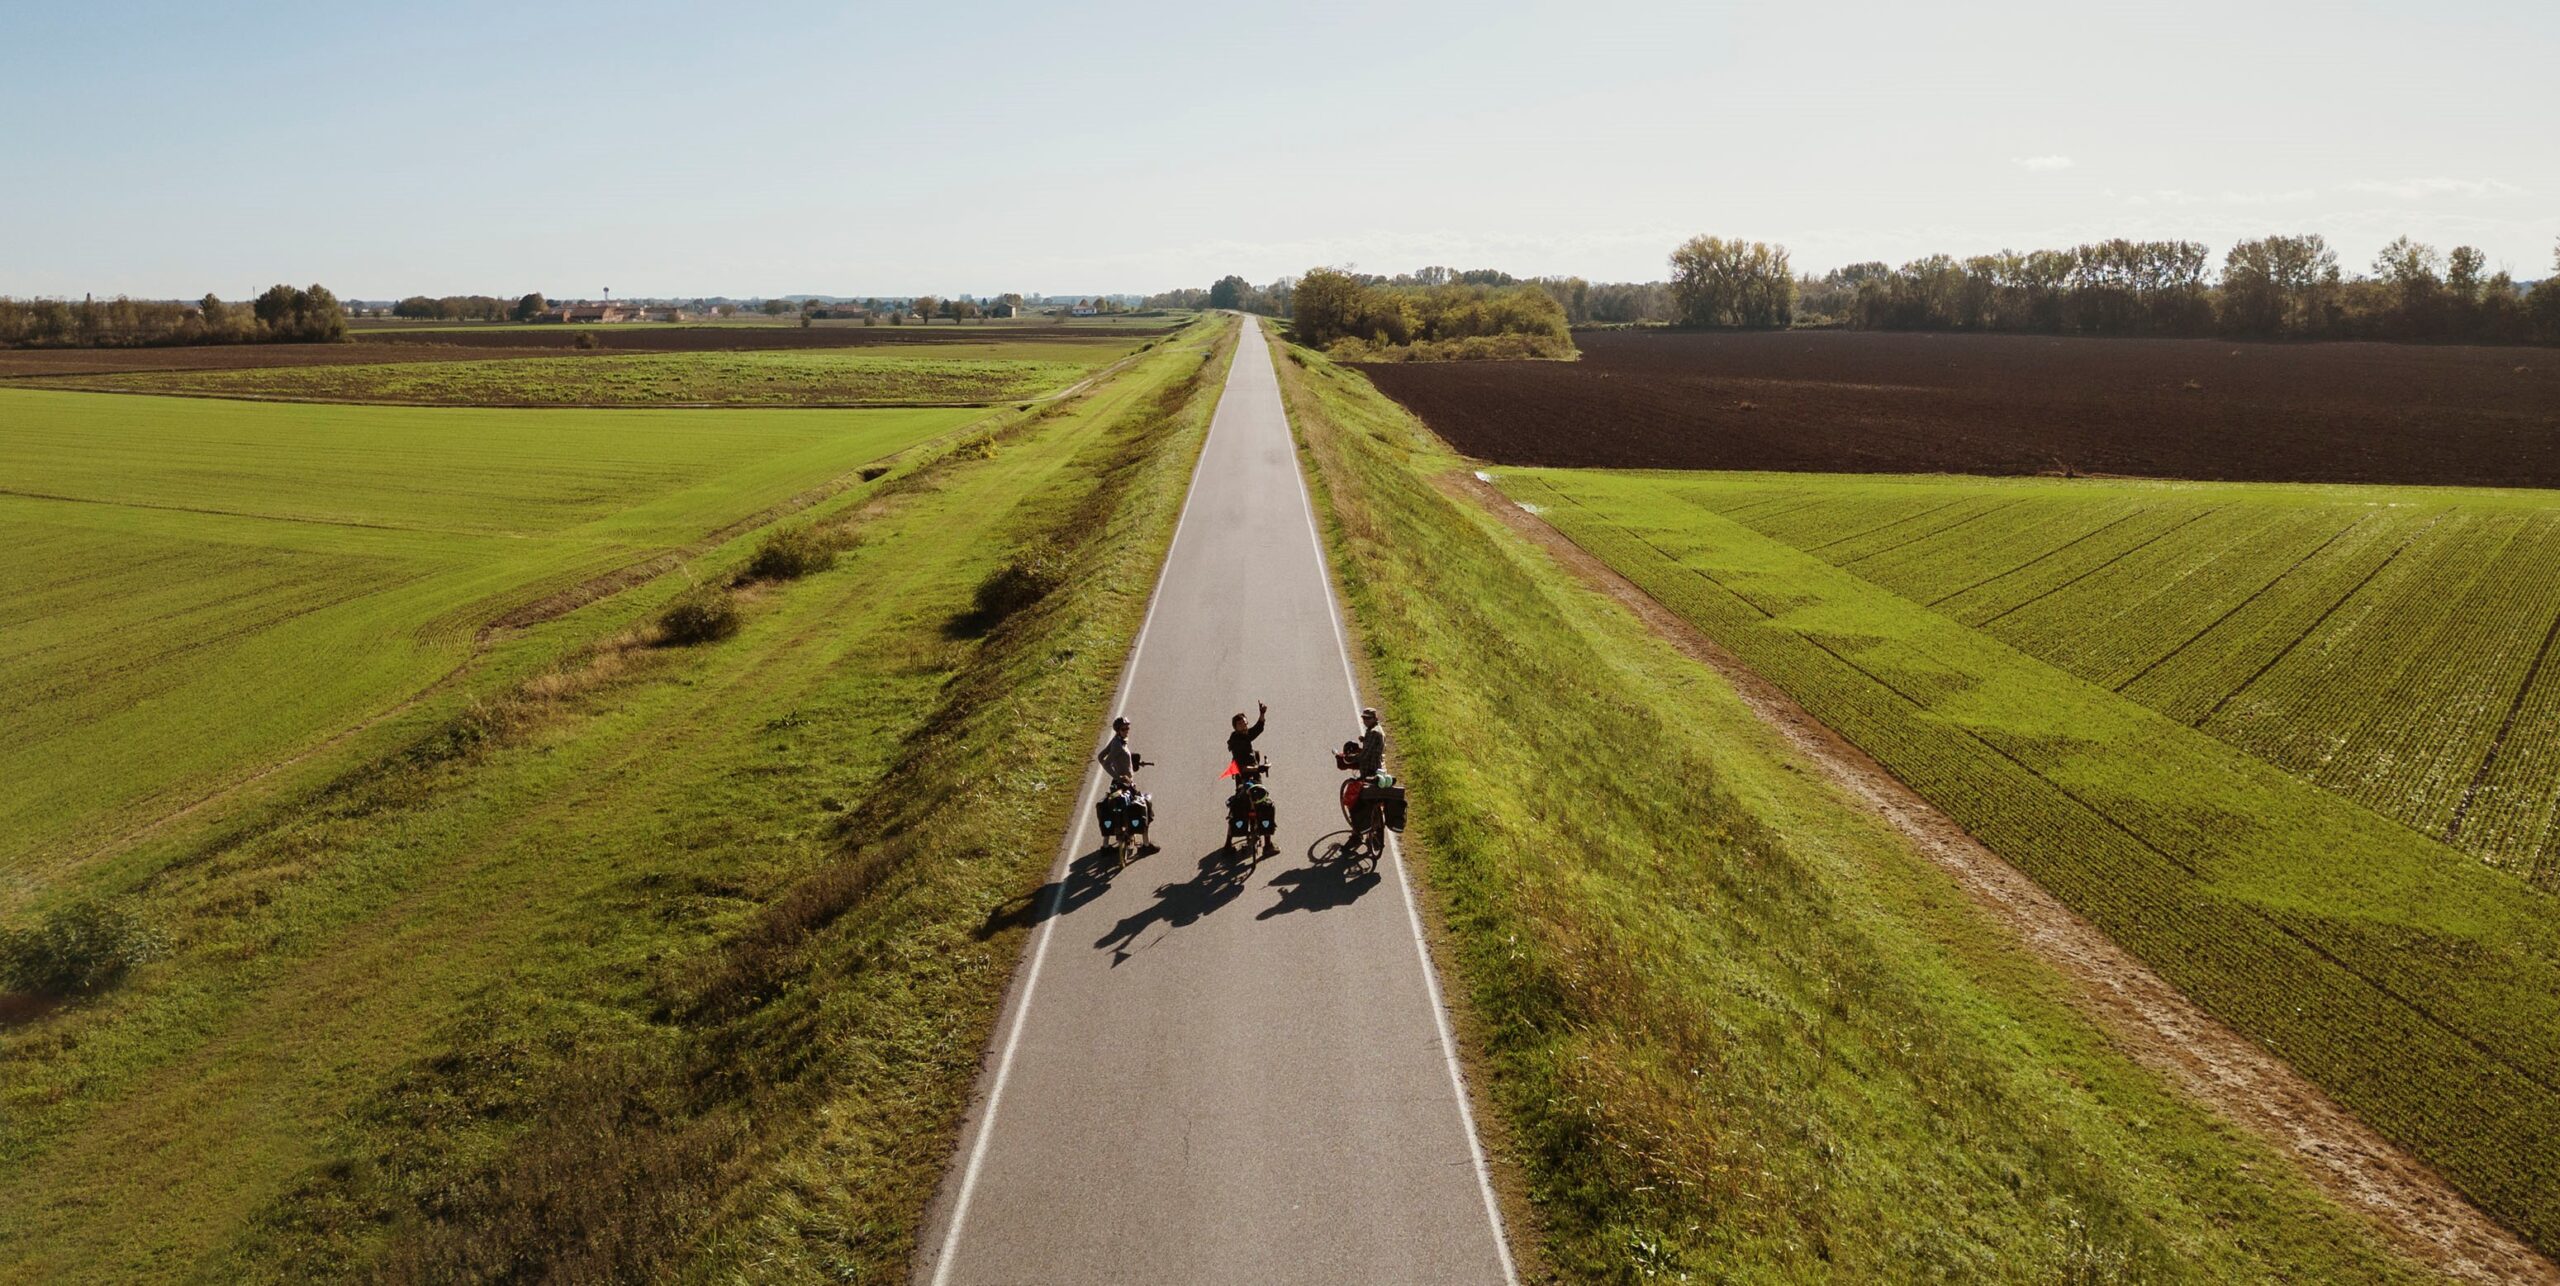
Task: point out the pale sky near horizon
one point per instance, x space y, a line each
746 149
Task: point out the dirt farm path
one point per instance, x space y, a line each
2152 1021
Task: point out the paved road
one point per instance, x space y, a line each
1204 1074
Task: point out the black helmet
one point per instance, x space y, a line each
1120 724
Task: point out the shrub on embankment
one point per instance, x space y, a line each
793 551
76 948
702 614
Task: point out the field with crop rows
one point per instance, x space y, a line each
1989 643
940 373
2393 645
182 569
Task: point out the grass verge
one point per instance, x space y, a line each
1729 1024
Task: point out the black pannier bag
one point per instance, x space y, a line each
1117 814
1251 812
1390 798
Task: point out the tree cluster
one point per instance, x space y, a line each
2275 286
1732 284
1230 291
1714 283
1431 308
282 314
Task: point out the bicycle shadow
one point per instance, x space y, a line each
1327 881
1088 877
1221 876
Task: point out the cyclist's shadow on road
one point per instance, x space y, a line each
1322 884
1222 874
1087 878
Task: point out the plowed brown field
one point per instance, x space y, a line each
1864 402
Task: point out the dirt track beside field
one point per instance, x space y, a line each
1866 402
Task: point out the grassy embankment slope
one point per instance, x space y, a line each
2391 644
672 960
201 588
1729 1024
993 371
2418 986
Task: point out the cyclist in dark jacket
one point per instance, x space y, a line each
1373 743
1240 741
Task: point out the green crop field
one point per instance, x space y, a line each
198 588
2393 645
953 373
2072 671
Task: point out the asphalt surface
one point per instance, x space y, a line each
1209 1072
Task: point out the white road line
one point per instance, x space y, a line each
1395 856
1058 879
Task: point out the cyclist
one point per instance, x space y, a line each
1246 765
1366 760
1240 739
1123 764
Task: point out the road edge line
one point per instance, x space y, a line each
1404 882
1058 870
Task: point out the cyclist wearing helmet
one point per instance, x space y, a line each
1116 758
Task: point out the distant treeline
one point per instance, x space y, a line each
2277 286
1231 292
282 314
2271 286
471 308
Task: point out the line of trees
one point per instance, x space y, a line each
284 314
2267 287
1611 303
1436 313
2276 286
487 308
1231 291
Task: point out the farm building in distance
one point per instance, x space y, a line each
583 313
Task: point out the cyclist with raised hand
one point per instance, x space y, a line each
1250 816
1240 739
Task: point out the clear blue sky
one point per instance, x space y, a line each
755 148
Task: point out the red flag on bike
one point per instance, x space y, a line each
1231 769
